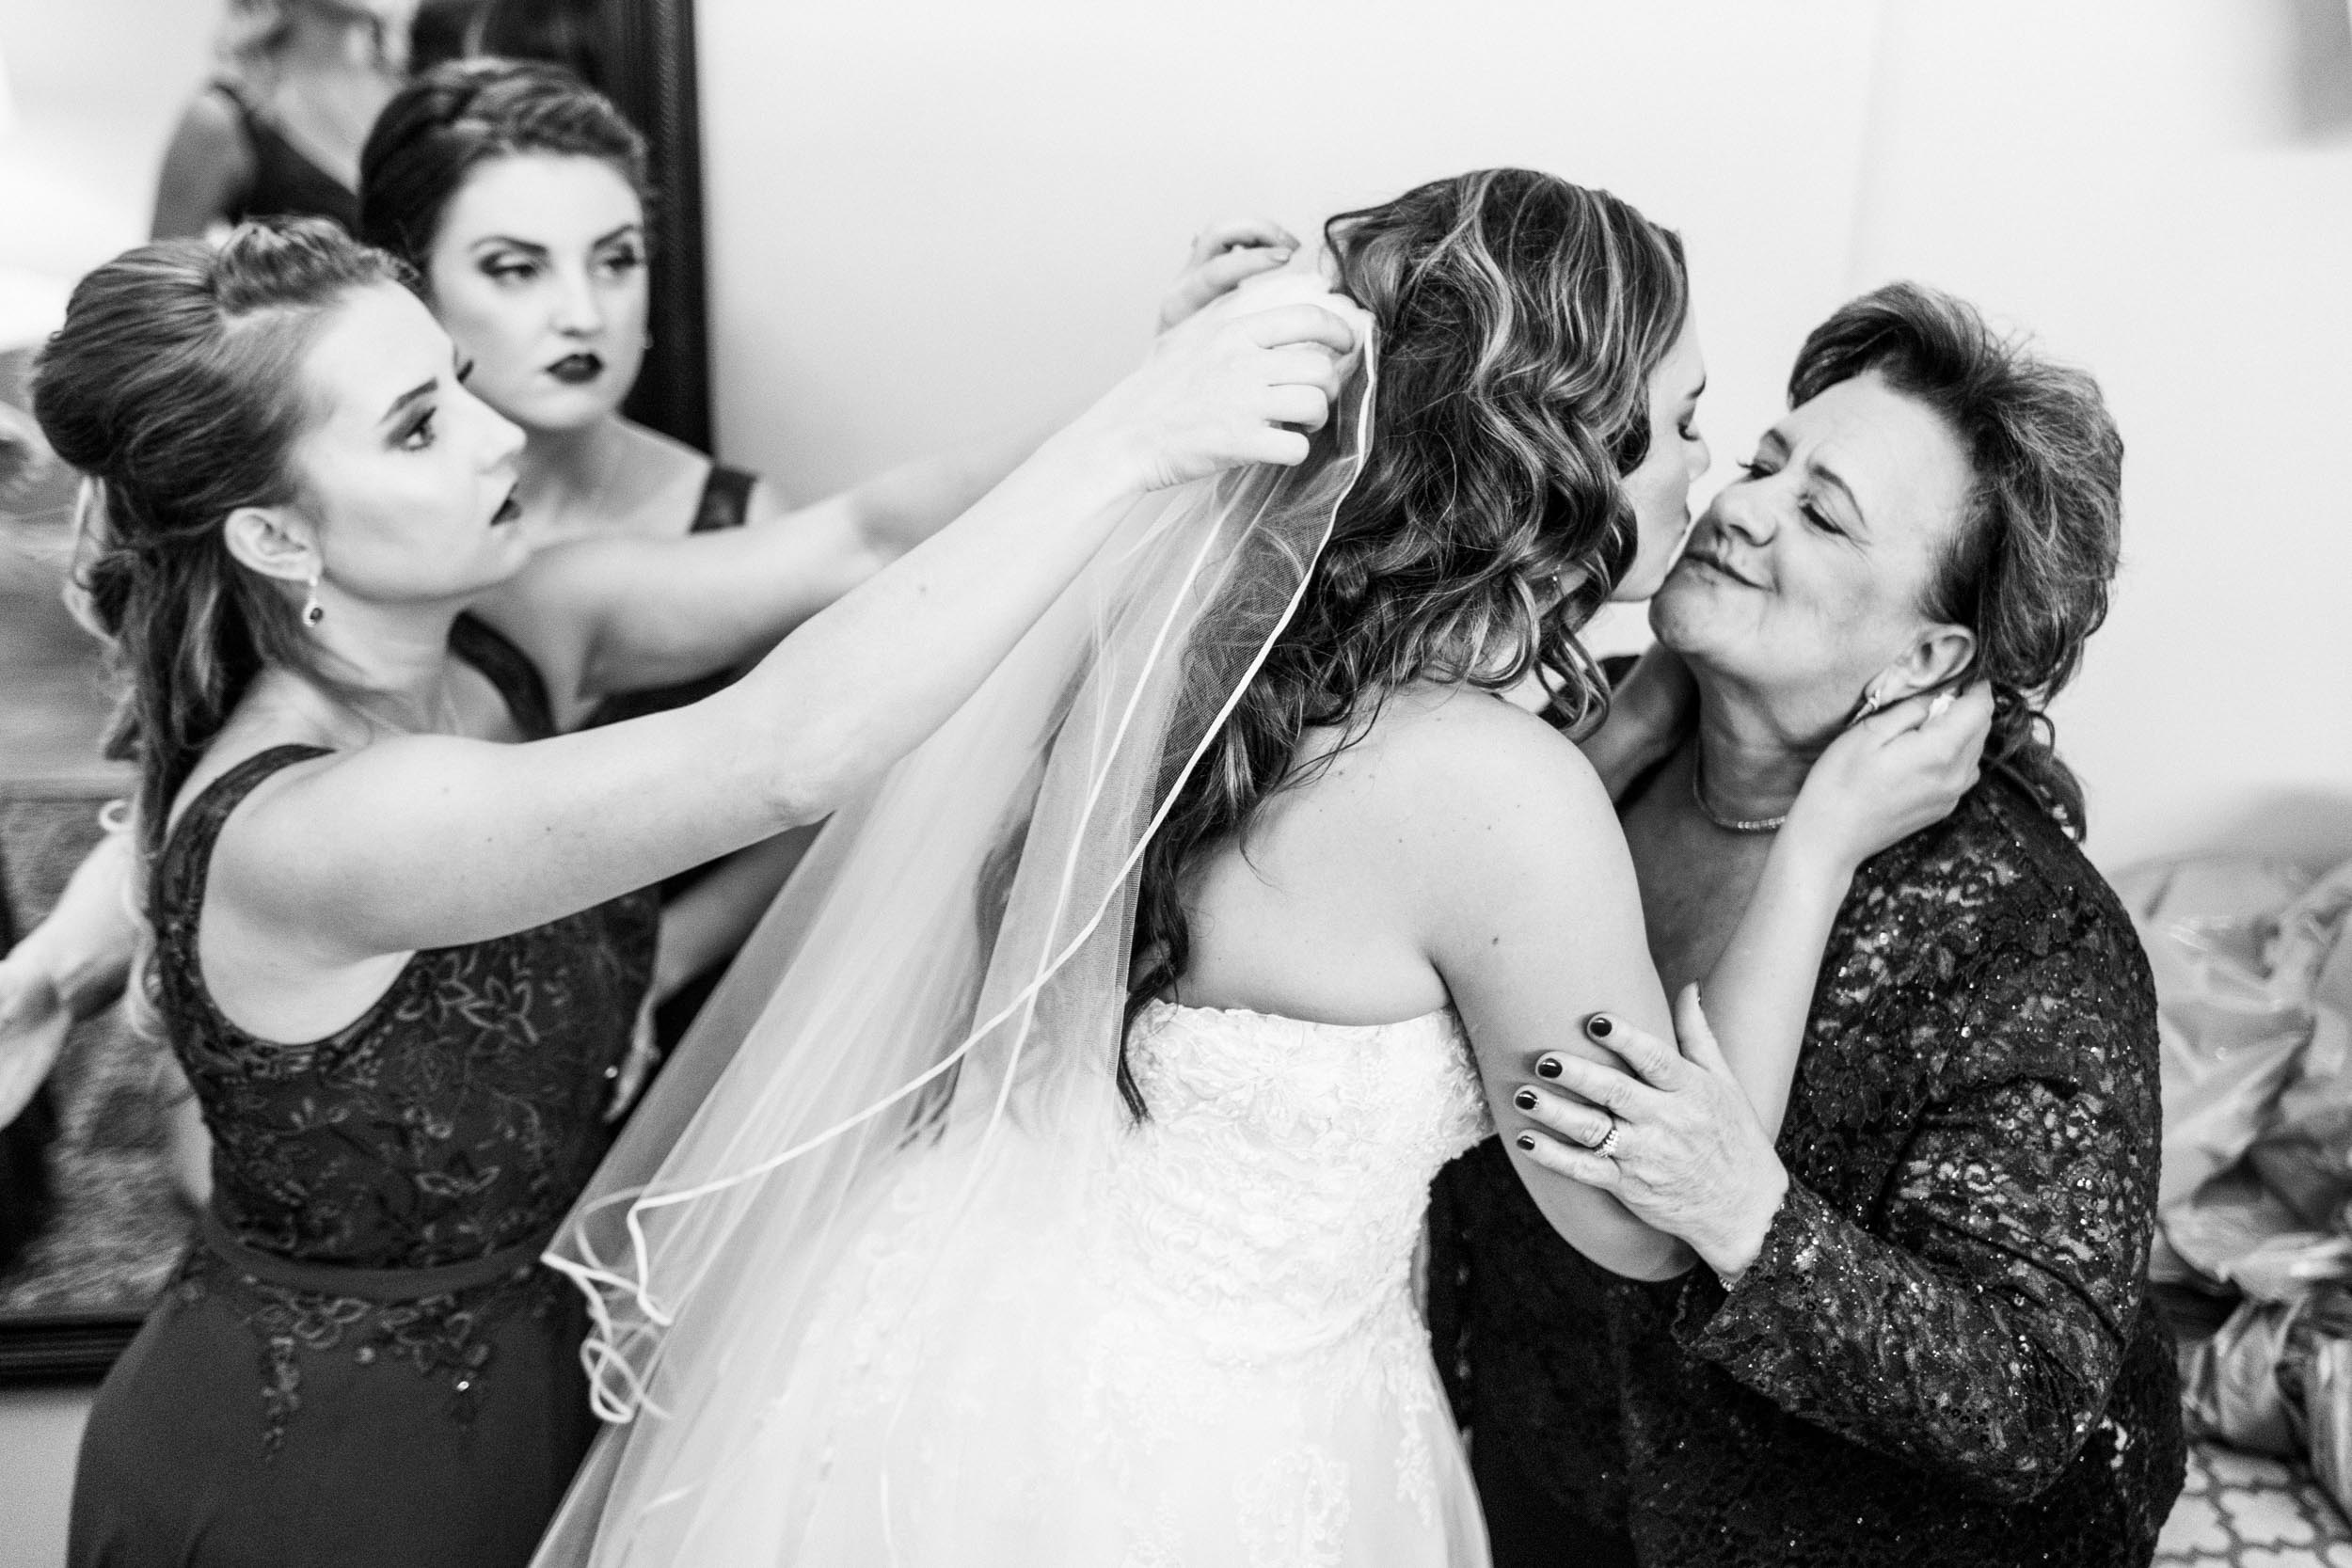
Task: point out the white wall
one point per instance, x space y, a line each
931 215
88 92
934 217
41 1428
2132 179
91 90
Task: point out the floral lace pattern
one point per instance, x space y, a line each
1213 1355
1943 1352
458 1116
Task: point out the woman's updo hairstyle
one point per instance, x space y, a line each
174 386
464 113
1517 320
2027 567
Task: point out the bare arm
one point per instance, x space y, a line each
206 165
724 597
1877 784
1550 932
710 919
675 609
875 523
1537 923
69 967
428 841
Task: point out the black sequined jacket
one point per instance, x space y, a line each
1943 1354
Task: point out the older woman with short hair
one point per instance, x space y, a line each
1919 1332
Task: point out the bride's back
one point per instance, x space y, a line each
1343 831
1330 903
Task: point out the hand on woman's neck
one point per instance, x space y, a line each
1754 750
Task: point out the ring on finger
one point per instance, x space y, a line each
1606 1147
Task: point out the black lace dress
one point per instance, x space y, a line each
362 1362
1945 1353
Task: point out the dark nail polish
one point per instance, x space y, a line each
1524 1100
1548 1068
1526 1141
1599 1026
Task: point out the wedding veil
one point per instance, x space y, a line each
949 963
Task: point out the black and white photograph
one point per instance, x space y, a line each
1020 785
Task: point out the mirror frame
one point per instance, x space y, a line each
651 60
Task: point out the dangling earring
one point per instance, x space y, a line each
314 611
1871 702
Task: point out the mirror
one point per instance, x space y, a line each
92 1219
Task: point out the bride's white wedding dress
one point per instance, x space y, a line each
1211 1356
884 1273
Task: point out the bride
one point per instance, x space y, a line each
1043 1185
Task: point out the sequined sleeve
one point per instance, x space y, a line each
1972 1320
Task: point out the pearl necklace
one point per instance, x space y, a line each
1729 824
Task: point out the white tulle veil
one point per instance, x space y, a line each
948 964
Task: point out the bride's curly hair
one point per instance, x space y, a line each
1517 320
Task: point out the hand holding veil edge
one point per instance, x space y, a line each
899 996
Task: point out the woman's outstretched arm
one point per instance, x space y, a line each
667 611
67 968
429 841
736 592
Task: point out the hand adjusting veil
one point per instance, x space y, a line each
942 983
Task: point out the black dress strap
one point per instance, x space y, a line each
727 499
189 847
725 503
287 182
508 667
180 870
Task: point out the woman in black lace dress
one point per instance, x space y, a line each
1919 1331
399 948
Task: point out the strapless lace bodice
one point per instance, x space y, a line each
1275 1195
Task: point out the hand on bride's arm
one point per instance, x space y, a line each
1892 774
1224 254
1685 1153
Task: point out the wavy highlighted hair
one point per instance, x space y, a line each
1519 319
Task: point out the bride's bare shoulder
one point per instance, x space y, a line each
1479 748
1461 781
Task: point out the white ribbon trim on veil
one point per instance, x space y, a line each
619 1390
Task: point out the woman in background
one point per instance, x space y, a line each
277 133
